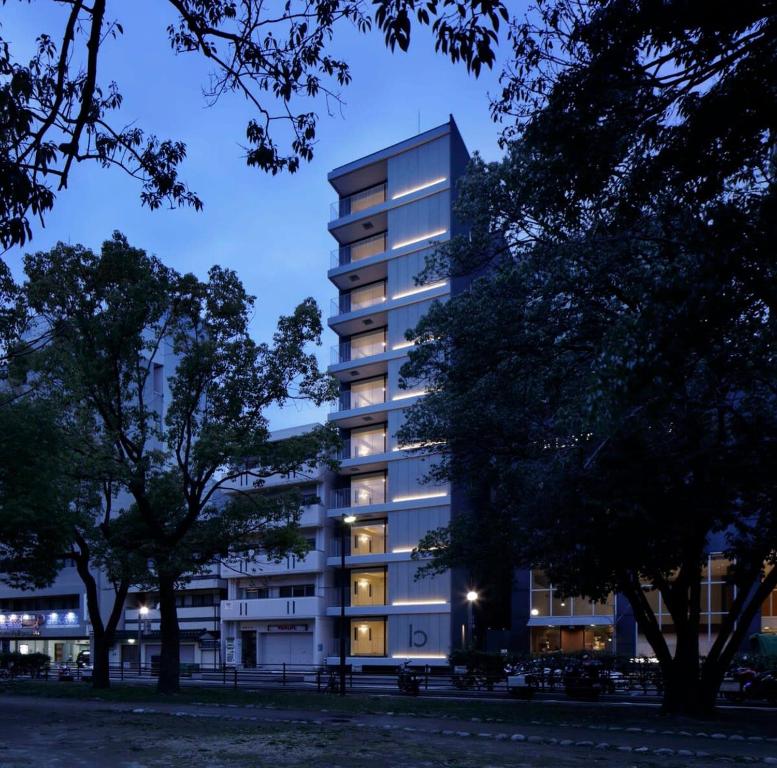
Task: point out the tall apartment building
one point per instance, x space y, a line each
393 208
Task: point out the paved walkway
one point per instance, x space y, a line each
610 744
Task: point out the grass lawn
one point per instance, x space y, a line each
509 712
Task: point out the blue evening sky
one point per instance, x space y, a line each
270 229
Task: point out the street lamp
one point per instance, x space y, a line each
142 613
347 520
472 598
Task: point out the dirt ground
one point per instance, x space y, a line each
66 734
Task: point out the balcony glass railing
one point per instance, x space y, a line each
367 444
359 201
361 396
353 350
362 249
344 498
359 298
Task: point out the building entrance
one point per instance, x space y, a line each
248 643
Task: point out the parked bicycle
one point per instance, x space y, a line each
407 680
333 683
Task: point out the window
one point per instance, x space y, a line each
545 603
369 246
157 378
367 295
368 392
297 590
202 599
370 343
717 594
368 489
256 593
368 587
367 441
368 637
368 538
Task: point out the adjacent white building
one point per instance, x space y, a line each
275 611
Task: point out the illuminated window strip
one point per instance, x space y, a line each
405 603
403 345
427 236
421 496
420 289
418 656
401 550
408 395
409 447
410 191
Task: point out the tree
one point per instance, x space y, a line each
178 391
56 503
36 501
58 110
615 358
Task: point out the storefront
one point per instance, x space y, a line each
60 635
572 639
197 647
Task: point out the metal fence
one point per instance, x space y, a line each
435 681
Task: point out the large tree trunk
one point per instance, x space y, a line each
100 662
104 633
170 654
685 692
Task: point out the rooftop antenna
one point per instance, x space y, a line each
419 121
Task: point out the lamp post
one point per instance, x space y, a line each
472 598
142 613
347 520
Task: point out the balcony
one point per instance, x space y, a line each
345 498
346 351
190 614
359 201
272 608
369 443
233 567
360 396
357 251
372 295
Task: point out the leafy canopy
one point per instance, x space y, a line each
607 386
61 107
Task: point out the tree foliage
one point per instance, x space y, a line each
58 109
177 391
39 504
617 358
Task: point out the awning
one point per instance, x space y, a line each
570 621
154 635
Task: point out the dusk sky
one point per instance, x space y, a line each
271 230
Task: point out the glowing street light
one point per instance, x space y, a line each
142 613
347 521
472 598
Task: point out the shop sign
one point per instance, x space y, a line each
32 623
287 627
26 624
